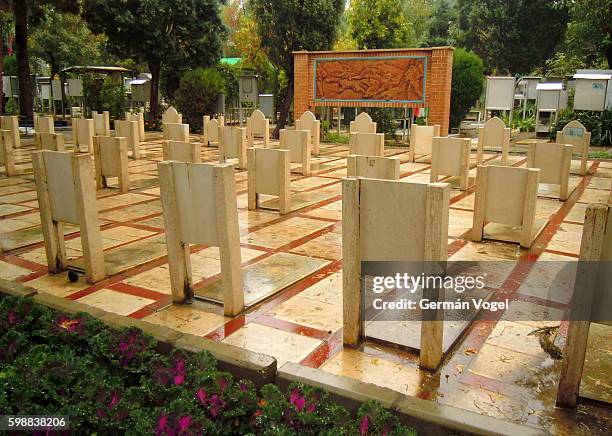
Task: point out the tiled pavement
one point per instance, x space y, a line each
495 369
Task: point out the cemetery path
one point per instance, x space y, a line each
293 271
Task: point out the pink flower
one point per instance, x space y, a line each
184 422
298 401
13 318
364 426
162 423
201 396
179 379
222 383
115 397
179 372
216 404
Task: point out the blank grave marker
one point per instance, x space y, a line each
44 124
233 145
211 129
575 134
182 151
7 152
11 123
171 115
83 131
268 174
129 130
421 140
362 124
298 143
111 160
66 193
451 157
176 132
258 126
139 118
418 214
373 167
49 141
553 161
367 144
591 301
506 196
308 121
101 123
494 133
199 207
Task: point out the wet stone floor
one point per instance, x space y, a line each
293 271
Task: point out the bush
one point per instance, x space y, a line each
385 121
11 108
598 123
197 94
467 84
116 382
103 95
231 75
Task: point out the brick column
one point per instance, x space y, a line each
300 83
438 100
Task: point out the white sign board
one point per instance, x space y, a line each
75 87
56 89
590 94
500 93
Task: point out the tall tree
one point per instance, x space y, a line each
31 13
286 26
589 33
443 18
4 19
379 24
160 32
62 41
512 36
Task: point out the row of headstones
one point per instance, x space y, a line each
199 207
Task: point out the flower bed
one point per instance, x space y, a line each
115 382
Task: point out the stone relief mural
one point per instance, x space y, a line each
370 79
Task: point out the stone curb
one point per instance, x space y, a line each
257 367
425 416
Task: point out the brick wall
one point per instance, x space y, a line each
437 87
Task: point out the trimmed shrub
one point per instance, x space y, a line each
11 108
467 84
197 94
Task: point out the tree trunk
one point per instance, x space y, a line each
284 109
20 11
155 69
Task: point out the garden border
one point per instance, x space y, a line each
427 417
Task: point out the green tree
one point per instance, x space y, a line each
186 33
589 32
62 41
30 13
442 20
512 36
379 24
286 26
467 84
